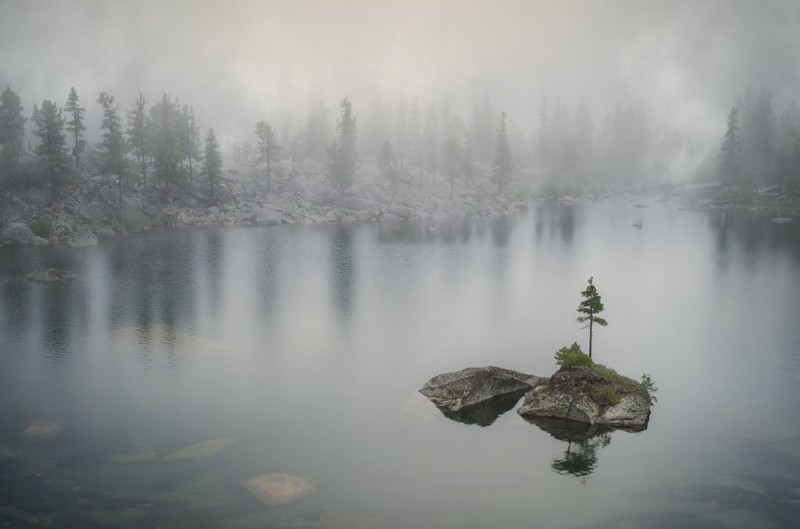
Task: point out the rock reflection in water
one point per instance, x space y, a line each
486 413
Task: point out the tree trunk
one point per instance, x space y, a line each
591 320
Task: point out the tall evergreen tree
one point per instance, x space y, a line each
137 133
387 165
75 123
113 143
52 148
430 144
589 308
12 132
342 151
730 170
267 147
544 135
451 162
212 164
163 142
502 168
187 139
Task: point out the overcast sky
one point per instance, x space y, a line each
240 61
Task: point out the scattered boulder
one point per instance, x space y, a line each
455 391
82 239
42 430
278 488
50 275
19 233
630 413
269 217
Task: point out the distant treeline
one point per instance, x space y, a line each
155 147
760 148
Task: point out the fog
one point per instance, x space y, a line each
682 62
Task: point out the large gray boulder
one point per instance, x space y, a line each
583 395
19 233
82 239
268 217
452 392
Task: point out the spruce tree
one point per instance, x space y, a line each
501 170
113 143
12 132
589 308
267 148
52 148
163 141
451 162
137 134
75 123
729 159
212 164
386 165
342 152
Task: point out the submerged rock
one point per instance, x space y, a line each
50 275
583 395
42 429
140 457
204 449
452 392
278 488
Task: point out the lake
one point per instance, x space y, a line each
303 348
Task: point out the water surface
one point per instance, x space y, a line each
306 345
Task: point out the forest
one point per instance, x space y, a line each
155 149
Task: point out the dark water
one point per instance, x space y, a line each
305 345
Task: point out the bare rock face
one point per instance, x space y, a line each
631 413
278 489
50 275
559 405
452 392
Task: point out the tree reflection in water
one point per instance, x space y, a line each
583 443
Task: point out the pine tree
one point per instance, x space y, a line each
589 308
187 131
501 171
430 144
451 162
163 142
387 165
113 143
729 159
52 148
137 134
342 152
212 164
75 124
12 132
267 147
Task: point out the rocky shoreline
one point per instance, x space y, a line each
33 218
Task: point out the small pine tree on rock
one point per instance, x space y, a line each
589 308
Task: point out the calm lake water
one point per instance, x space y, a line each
306 345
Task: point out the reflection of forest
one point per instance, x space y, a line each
583 443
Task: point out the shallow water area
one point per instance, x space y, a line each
180 364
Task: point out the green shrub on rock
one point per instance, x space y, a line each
572 356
